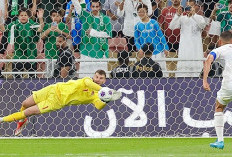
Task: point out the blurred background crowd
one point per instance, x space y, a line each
127 38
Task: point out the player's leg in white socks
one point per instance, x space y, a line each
219 125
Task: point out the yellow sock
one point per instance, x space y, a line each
14 117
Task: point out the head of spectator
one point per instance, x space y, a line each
123 58
143 12
176 3
95 7
148 49
190 7
23 15
230 6
61 42
199 7
56 16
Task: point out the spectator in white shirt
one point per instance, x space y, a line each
128 9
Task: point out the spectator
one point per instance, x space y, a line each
4 9
71 17
172 36
148 31
224 17
15 5
216 67
95 33
65 62
51 31
50 5
146 67
116 22
24 35
128 9
3 43
123 70
191 46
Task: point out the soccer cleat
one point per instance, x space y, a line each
219 145
20 126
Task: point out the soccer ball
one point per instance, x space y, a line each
105 94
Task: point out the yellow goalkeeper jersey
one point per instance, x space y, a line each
82 91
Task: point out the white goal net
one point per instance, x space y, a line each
33 55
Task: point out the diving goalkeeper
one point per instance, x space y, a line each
59 95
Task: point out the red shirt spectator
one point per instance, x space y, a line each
172 36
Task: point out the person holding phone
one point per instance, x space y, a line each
191 26
224 17
50 32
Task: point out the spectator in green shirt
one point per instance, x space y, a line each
224 17
96 30
23 34
51 31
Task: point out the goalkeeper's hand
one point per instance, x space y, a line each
116 95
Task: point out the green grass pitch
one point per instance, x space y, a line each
113 147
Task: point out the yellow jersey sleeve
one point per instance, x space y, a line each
90 84
99 104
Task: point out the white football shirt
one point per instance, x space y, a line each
224 53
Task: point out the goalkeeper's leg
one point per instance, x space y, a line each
33 110
22 122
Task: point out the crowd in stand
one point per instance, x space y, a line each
150 30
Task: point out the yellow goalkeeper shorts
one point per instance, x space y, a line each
47 99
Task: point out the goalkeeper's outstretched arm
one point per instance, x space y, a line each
89 83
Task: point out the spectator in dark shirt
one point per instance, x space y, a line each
123 70
65 63
146 67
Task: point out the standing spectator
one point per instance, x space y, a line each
116 22
191 46
148 31
224 17
128 9
15 5
3 43
51 31
123 70
50 5
146 67
65 61
71 17
24 35
95 33
172 36
4 9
